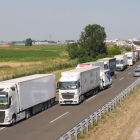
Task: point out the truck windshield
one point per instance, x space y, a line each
4 103
119 61
68 85
129 57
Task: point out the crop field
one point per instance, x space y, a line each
16 60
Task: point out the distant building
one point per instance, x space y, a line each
39 43
130 40
69 41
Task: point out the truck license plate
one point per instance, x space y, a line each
67 102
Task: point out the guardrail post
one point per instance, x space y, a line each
100 113
75 133
69 134
91 121
87 124
96 116
110 106
81 124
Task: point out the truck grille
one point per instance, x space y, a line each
2 116
67 95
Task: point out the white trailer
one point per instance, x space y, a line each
105 79
75 84
109 63
121 62
130 58
100 64
22 97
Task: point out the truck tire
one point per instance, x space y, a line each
42 107
45 105
49 104
13 120
27 115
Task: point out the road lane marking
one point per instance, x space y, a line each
129 72
59 117
121 78
90 98
2 128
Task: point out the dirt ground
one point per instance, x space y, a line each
123 123
16 64
4 45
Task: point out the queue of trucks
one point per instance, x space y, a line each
22 97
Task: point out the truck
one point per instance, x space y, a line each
136 55
105 80
130 58
22 97
121 62
100 64
109 63
75 85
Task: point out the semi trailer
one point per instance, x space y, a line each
22 97
130 58
100 64
109 63
75 85
121 62
105 79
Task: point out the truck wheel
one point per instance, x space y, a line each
42 107
27 116
45 105
13 120
49 104
83 97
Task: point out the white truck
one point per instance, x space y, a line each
105 80
100 64
130 58
109 63
121 62
75 84
22 97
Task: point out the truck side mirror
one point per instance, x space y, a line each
10 101
13 88
58 85
78 84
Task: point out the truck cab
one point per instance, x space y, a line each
69 89
8 104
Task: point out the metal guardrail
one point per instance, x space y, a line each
73 132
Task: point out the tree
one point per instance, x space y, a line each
92 40
73 50
28 42
128 49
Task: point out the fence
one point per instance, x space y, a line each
73 132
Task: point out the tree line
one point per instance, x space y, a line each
91 45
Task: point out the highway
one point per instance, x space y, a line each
55 121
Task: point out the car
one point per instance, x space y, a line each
138 66
136 72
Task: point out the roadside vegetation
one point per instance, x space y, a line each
120 123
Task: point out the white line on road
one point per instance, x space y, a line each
2 128
129 72
59 117
90 98
121 78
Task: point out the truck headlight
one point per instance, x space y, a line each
7 118
75 97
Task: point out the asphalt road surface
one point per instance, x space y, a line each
55 121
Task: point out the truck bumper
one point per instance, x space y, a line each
68 102
6 123
119 68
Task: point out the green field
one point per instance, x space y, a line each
33 53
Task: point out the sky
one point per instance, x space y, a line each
61 20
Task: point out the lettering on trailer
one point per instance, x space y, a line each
107 73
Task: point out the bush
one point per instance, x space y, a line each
128 49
